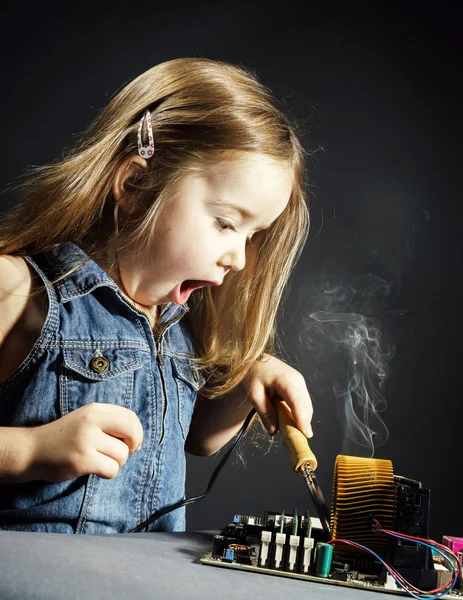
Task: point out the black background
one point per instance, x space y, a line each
377 88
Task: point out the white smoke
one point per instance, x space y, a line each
343 338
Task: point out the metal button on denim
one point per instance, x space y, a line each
99 364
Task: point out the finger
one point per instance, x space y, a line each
262 403
113 447
120 422
294 392
104 466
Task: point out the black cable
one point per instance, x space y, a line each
167 509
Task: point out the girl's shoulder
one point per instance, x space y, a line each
22 311
13 269
15 286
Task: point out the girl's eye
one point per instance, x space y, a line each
224 225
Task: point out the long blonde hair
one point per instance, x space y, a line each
203 112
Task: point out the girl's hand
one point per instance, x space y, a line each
95 438
271 379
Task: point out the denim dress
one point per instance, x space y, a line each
95 346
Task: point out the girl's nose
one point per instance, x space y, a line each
235 258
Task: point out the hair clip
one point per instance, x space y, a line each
148 150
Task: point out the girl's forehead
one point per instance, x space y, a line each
257 175
254 184
247 163
259 189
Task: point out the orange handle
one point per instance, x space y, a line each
294 440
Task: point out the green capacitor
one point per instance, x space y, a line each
324 556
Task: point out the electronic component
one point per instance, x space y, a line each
323 558
411 517
379 537
362 486
283 545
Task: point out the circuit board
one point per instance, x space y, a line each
353 583
279 545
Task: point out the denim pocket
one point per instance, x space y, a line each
189 381
97 372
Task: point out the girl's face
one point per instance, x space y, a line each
204 231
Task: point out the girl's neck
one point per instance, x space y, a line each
107 260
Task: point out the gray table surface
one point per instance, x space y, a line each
49 566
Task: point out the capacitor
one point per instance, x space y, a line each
323 558
229 554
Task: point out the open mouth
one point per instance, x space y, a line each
187 287
192 284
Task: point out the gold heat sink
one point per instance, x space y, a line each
362 488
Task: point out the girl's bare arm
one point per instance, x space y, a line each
15 455
216 421
15 447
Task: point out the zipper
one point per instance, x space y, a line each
160 333
160 358
158 338
159 352
137 310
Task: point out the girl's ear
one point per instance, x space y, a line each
122 187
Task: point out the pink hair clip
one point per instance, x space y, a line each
148 150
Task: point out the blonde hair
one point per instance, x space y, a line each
203 112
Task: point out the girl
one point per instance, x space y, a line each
142 270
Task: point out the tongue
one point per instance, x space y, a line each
186 288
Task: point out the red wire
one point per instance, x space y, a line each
396 573
388 567
457 566
432 543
